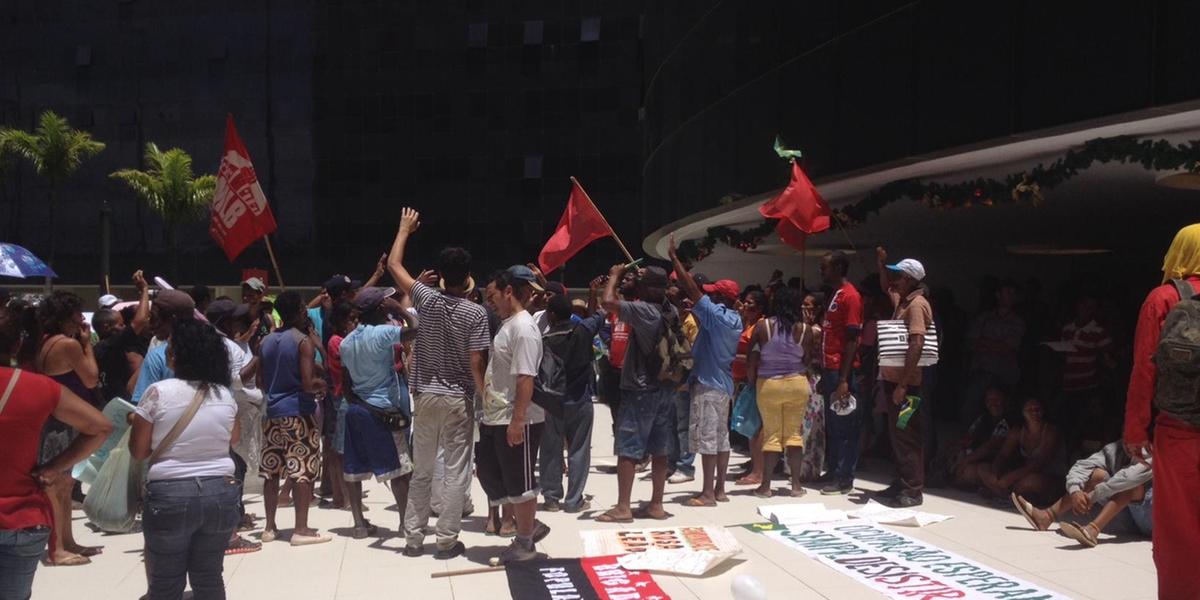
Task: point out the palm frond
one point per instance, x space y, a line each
55 149
168 186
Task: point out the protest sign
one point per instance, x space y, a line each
902 567
686 550
592 578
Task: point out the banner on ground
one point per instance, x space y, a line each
592 578
240 213
685 550
902 567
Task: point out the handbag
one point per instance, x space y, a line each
393 420
893 344
746 418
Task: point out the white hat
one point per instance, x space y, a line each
911 267
108 301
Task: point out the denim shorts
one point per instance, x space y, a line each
645 423
1142 512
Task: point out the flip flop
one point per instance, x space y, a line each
1084 535
309 540
1026 509
723 499
609 518
76 560
762 494
642 513
747 480
269 535
90 550
698 502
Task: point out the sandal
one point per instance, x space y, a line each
1085 535
758 493
698 502
75 560
269 535
1026 509
643 513
748 480
241 545
609 517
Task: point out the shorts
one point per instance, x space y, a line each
339 428
505 472
645 423
291 449
708 426
1141 512
373 449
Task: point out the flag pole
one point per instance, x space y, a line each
602 217
274 263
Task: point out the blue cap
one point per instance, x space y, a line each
524 273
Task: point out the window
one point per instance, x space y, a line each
589 29
533 167
477 35
533 32
83 56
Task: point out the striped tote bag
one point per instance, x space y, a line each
893 344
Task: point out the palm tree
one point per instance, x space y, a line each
171 191
56 151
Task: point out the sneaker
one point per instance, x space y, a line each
551 506
414 551
517 553
585 505
540 531
837 489
458 549
678 478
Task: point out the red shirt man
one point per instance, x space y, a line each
845 311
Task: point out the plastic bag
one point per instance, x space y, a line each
113 500
746 419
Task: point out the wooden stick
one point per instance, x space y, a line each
610 229
474 571
106 288
274 263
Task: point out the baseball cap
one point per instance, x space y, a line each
108 300
175 303
340 283
723 287
219 310
911 267
368 299
524 273
557 287
255 284
701 279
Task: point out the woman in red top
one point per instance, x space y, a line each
343 319
751 309
27 401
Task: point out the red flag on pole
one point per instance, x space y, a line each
580 225
240 213
800 206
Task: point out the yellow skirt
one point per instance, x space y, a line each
782 402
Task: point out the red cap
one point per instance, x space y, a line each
724 287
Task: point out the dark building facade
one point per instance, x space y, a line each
855 84
475 112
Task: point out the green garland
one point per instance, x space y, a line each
1022 187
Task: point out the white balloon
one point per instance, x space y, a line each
748 587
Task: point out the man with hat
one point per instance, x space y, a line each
372 391
254 293
168 308
711 378
108 301
448 364
902 385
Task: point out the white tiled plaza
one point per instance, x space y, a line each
346 569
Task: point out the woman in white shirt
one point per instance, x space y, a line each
191 505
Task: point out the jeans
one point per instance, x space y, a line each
646 424
841 432
681 458
20 550
575 428
187 524
440 424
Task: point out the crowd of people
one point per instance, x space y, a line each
442 377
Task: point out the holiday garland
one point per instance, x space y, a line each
1021 187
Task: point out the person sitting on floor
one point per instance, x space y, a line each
1108 479
983 440
1027 462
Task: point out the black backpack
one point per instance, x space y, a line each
550 385
671 359
1177 389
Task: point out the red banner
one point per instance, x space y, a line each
595 578
240 213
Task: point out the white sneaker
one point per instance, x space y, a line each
681 478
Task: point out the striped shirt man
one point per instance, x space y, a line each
1090 340
451 328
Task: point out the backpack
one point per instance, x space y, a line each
672 355
1177 390
550 385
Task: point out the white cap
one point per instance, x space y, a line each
911 267
108 300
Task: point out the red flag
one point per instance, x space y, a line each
240 214
800 203
791 235
580 225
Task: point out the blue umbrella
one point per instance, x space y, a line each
16 261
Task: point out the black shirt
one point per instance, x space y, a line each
114 366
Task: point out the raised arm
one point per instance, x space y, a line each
141 318
380 267
609 300
410 220
881 266
686 283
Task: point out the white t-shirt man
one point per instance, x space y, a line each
516 350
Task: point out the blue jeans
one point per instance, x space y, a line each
681 459
20 550
841 432
574 428
187 524
645 424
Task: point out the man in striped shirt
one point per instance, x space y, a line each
1080 379
448 366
